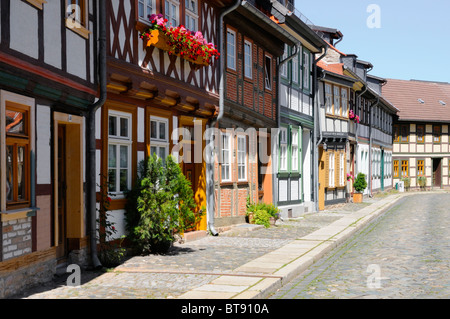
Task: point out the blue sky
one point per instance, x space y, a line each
413 41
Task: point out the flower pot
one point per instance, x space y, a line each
251 218
358 197
159 40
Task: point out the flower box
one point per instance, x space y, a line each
159 40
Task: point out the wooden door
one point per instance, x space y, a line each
62 191
437 172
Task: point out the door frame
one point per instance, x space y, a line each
75 228
438 170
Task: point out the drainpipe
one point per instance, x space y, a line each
90 133
210 202
317 129
275 162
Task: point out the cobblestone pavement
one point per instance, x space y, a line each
191 264
404 254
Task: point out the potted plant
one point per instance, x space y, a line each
359 185
422 181
406 181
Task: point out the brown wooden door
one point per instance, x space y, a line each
62 190
437 172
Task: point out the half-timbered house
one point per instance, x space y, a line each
244 166
421 155
155 96
48 81
294 184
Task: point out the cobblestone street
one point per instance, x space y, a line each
406 252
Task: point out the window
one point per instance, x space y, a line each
404 133
77 17
226 157
436 133
344 102
191 17
331 168
159 137
420 131
405 168
231 49
337 100
342 169
146 8
242 157
328 99
283 149
420 168
306 70
171 9
396 169
247 59
76 11
396 133
284 68
294 150
295 69
119 152
268 73
17 154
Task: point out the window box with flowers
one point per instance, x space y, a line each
179 41
353 117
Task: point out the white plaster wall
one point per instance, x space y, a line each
24 30
76 54
117 217
52 33
306 165
43 141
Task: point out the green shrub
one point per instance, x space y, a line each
360 183
160 205
262 217
271 209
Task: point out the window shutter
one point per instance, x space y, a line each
337 170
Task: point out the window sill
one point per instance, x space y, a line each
19 213
78 29
37 3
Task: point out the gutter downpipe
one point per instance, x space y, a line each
210 203
317 129
91 143
275 163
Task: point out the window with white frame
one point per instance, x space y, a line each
171 9
294 150
119 151
159 137
231 49
306 70
268 72
283 149
242 157
226 157
328 99
146 8
344 102
341 169
331 168
248 59
191 16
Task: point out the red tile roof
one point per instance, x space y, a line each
331 67
406 96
